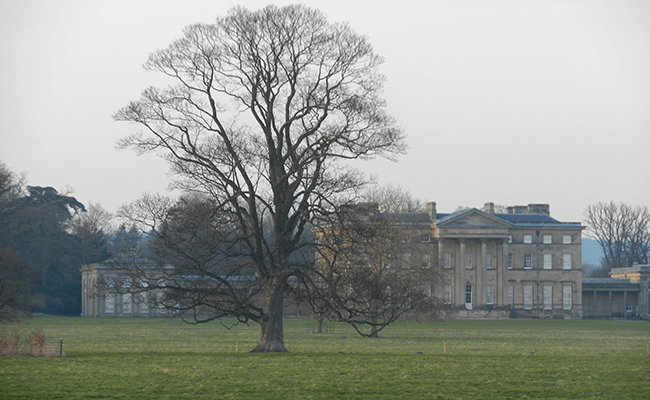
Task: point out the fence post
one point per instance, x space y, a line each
61 348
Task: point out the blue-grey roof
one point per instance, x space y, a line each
604 280
527 218
609 284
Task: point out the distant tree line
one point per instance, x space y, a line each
623 233
45 237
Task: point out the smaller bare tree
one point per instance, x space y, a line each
372 269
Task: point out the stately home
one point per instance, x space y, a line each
519 264
522 263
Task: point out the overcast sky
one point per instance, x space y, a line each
513 102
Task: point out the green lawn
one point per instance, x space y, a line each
163 358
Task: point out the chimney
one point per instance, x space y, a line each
488 207
517 210
431 206
539 209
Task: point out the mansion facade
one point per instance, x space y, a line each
519 264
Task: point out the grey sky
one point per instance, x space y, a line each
506 101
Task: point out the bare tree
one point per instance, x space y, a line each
622 231
392 199
374 266
304 96
92 227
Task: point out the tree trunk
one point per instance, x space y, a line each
373 329
272 338
320 319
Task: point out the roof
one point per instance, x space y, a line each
528 218
609 284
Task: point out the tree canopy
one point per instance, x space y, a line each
265 106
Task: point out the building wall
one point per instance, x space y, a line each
640 275
480 247
96 302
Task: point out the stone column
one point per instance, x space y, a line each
461 275
503 265
481 276
609 303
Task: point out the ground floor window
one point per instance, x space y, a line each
566 297
468 295
511 295
144 306
490 295
126 303
446 294
628 308
548 297
110 304
528 297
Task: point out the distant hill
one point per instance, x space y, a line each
591 252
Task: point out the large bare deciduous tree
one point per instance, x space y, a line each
622 231
264 107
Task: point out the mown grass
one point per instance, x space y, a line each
163 358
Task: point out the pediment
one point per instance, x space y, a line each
473 218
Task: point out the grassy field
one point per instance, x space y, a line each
163 358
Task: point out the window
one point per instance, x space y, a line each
126 303
528 239
528 261
488 261
628 308
407 260
446 294
490 300
426 260
566 261
548 297
566 297
528 297
468 296
566 239
548 261
548 239
110 304
405 238
511 295
447 260
426 238
144 307
160 297
509 239
509 260
468 260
